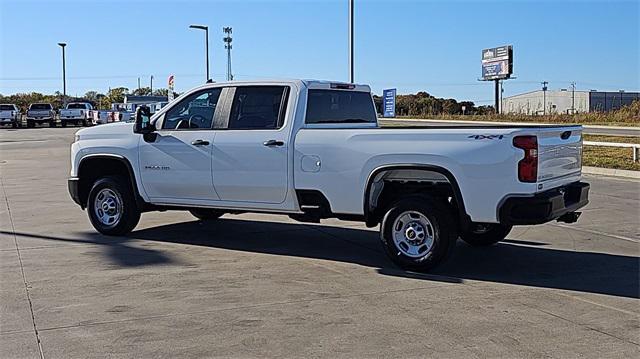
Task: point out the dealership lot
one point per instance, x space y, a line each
264 285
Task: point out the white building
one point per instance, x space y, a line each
566 101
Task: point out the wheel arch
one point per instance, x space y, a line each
93 166
372 218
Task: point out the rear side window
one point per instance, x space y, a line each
6 108
258 107
336 106
40 106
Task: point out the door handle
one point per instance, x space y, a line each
200 143
272 143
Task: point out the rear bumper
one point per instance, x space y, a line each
74 190
545 206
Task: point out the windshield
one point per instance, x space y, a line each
338 106
40 106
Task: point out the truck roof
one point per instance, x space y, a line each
309 83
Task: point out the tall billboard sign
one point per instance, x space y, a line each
389 103
170 87
497 63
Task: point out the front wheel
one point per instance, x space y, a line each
112 206
205 214
418 233
485 234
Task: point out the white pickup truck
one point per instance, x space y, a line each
314 150
10 115
78 113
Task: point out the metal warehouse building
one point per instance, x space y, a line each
563 101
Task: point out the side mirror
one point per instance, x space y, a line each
143 123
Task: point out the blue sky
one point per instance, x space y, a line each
431 46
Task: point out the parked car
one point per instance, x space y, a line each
39 113
10 114
313 150
78 113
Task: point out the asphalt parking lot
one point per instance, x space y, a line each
264 285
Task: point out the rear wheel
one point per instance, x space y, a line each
63 123
206 214
485 234
418 233
14 125
31 124
112 207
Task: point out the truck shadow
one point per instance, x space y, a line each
516 262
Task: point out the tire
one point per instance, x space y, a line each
485 234
418 254
112 206
31 124
63 123
14 125
205 214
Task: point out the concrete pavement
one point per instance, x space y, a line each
266 286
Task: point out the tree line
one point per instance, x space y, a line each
99 100
424 104
419 104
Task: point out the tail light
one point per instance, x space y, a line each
528 166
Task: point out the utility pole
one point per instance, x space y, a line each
206 45
64 73
151 85
501 93
573 98
351 77
497 95
544 97
227 45
138 84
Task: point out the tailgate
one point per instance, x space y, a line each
559 153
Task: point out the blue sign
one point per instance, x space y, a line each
389 103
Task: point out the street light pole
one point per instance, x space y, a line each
64 73
544 97
206 45
351 41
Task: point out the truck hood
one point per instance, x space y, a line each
111 130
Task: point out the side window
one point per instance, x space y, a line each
258 107
194 112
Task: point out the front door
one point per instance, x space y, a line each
176 166
250 155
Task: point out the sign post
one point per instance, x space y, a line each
389 103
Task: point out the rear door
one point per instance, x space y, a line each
250 153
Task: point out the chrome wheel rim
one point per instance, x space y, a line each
413 234
107 207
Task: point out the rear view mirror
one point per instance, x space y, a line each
143 123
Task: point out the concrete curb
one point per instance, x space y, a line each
610 172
